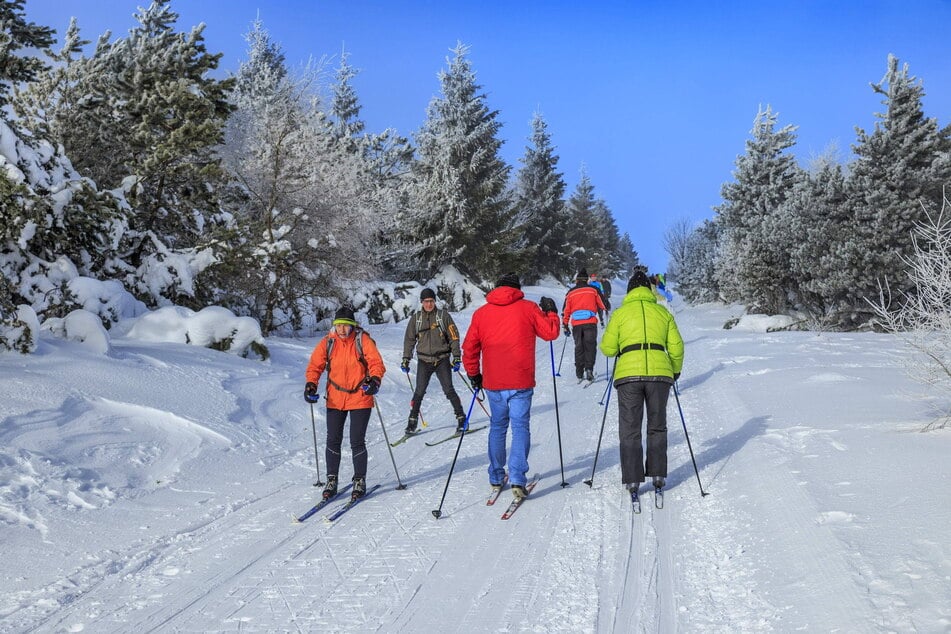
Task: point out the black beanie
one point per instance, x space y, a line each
638 279
509 279
344 315
582 275
427 293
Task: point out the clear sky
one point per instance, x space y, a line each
655 98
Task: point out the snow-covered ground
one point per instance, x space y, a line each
152 487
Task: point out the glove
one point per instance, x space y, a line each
567 331
476 381
676 375
310 392
456 364
405 365
547 304
370 385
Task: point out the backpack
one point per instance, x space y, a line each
440 323
358 333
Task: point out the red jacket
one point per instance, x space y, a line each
503 334
583 305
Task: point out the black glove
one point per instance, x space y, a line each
567 331
456 364
476 381
370 385
676 375
405 365
547 304
310 392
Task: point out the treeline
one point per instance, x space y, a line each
262 191
825 240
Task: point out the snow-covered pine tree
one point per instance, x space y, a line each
754 258
149 121
19 42
580 208
604 251
898 176
696 278
460 201
540 217
627 256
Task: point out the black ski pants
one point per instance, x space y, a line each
633 398
443 371
359 419
586 347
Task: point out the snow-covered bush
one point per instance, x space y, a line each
18 330
82 327
213 327
923 318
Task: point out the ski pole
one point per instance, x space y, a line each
590 481
313 427
421 419
386 437
692 459
437 513
554 384
558 373
464 380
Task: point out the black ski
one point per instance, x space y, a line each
407 437
352 503
497 492
471 430
320 505
517 502
635 501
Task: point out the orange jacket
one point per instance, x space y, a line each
346 372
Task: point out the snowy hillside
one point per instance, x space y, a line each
152 488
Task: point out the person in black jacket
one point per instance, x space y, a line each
434 335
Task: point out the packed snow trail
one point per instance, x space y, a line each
153 489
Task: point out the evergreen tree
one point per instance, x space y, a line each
581 210
18 35
900 171
628 259
460 201
540 217
696 278
345 105
754 258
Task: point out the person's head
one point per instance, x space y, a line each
509 279
344 321
427 298
582 276
593 277
638 279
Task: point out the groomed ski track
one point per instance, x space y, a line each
572 559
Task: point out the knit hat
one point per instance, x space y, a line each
344 315
427 293
638 279
582 275
509 279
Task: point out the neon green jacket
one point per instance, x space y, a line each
654 348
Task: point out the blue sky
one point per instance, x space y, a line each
655 98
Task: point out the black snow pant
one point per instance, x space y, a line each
359 419
586 347
443 371
632 397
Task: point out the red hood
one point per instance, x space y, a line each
504 295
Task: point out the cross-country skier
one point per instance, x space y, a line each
650 355
583 309
501 340
354 370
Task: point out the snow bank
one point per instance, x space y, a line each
212 327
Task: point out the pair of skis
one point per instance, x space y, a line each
340 511
456 434
516 502
658 499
